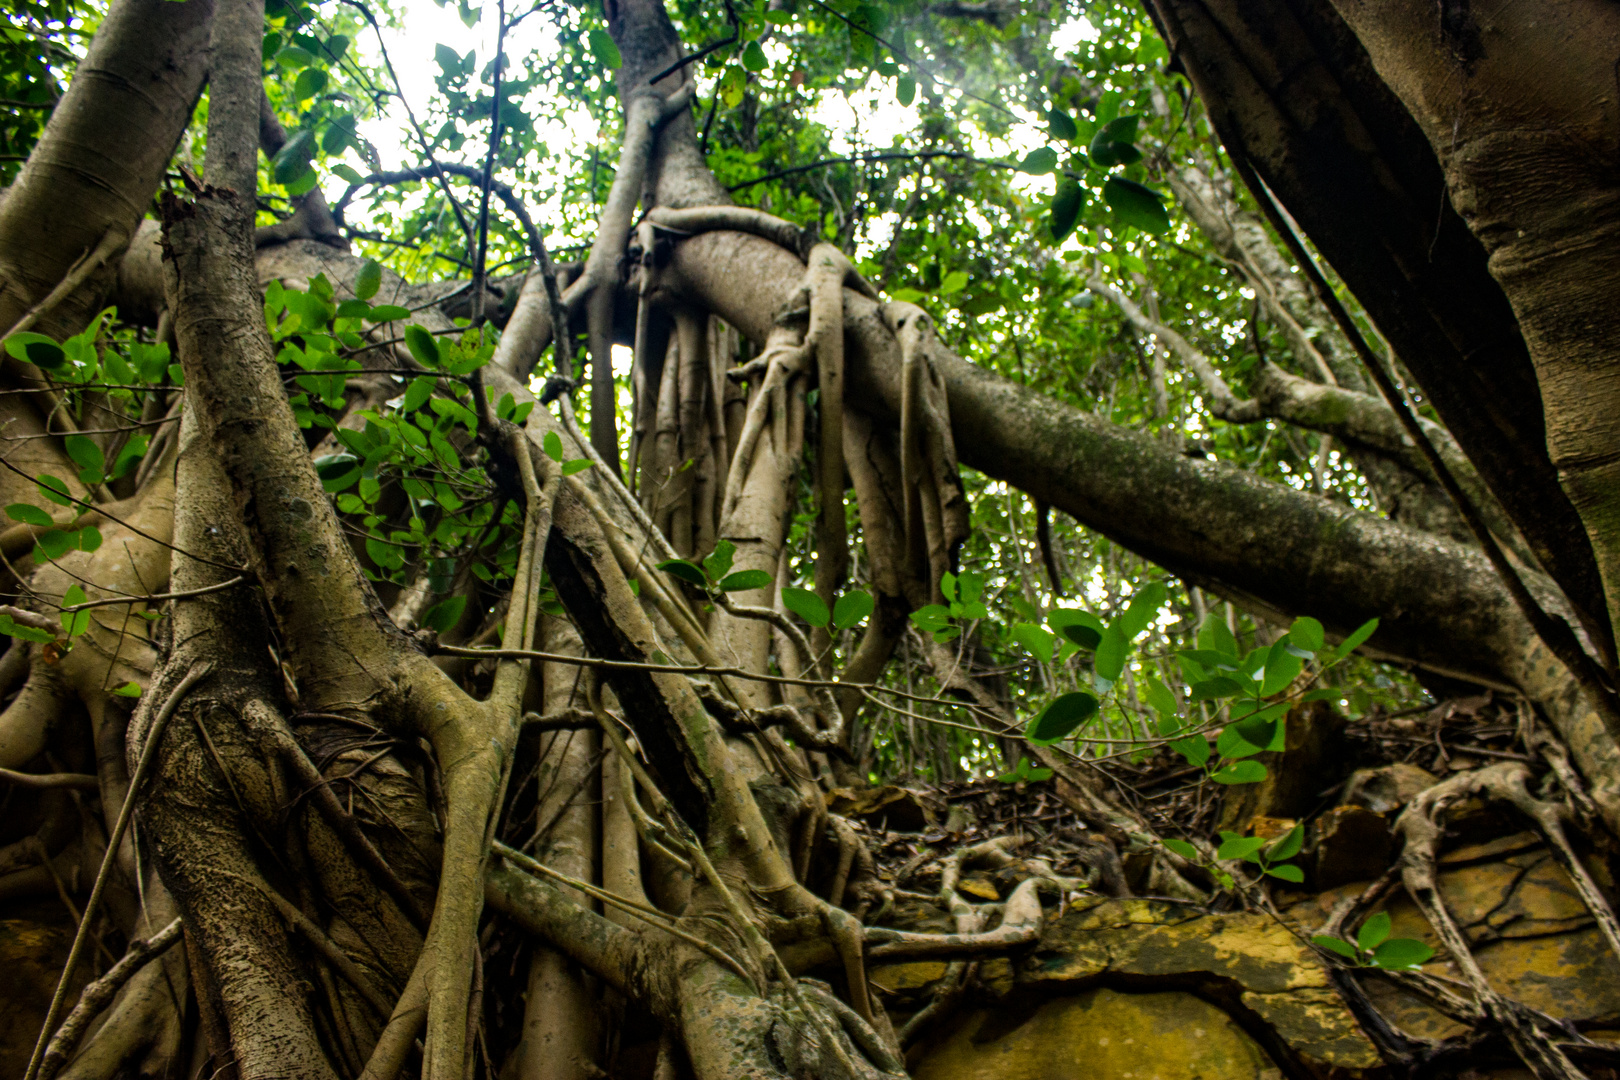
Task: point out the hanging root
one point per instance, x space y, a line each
825 283
935 517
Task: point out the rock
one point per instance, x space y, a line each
1255 968
1530 935
1296 775
1386 789
902 978
1349 843
979 887
1100 1033
33 948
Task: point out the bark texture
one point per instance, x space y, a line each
1521 105
1293 95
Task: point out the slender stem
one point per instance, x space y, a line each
480 257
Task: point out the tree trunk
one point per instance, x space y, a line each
1293 94
1521 107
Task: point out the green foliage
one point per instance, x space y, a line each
1025 773
1374 947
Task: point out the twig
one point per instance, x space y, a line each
860 159
79 781
156 597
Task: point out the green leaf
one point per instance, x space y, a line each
88 538
753 57
953 282
417 394
1115 143
1216 637
732 85
1288 872
689 572
1081 627
387 313
931 618
1401 954
87 456
443 616
422 346
1233 745
1110 659
1257 731
1374 931
1036 640
1210 659
29 514
1240 847
292 160
1241 772
130 453
386 555
1160 698
603 48
1306 633
1287 845
1067 201
852 608
1180 847
551 443
1195 749
54 543
807 606
1213 689
718 563
36 349
1061 125
569 468
1143 607
129 690
12 628
1336 945
1282 668
75 623
311 81
353 309
745 579
47 355
905 89
1356 639
369 280
1260 729
1136 205
1039 162
1061 718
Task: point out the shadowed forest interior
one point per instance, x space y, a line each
777 539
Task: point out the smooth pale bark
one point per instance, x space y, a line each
1291 91
1521 106
101 156
559 1019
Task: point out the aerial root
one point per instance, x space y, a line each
99 994
1538 1040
